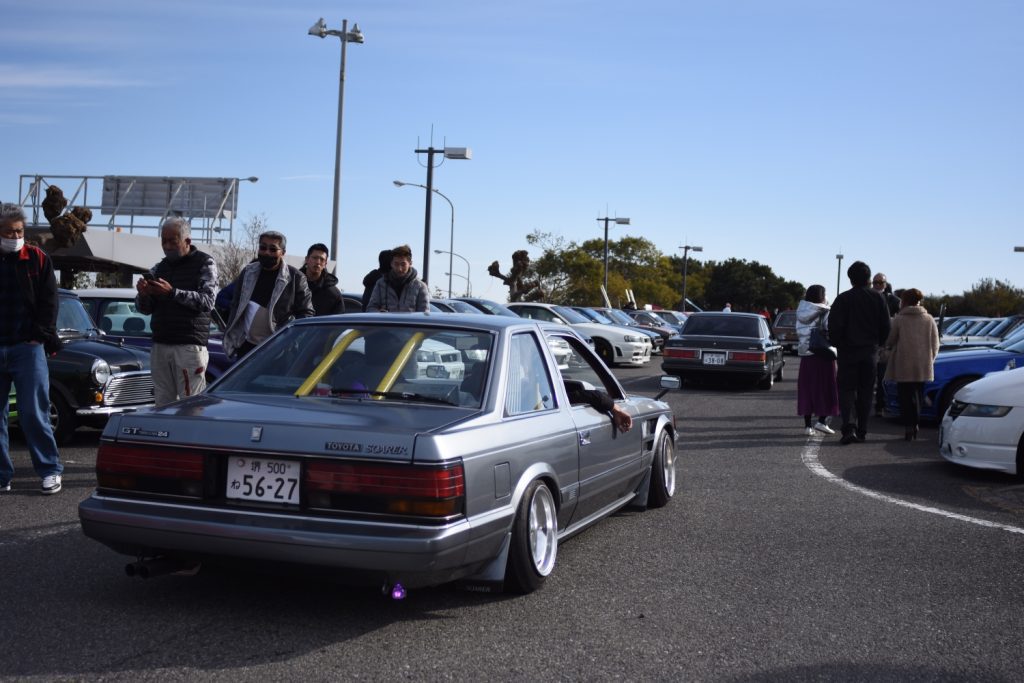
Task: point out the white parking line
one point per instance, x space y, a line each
810 459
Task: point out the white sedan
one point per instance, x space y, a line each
984 425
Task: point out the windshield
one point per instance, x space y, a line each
1015 344
72 318
599 316
618 316
571 316
670 317
378 362
725 325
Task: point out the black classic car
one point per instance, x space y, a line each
92 379
735 345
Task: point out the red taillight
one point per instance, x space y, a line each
149 462
755 356
173 471
674 352
395 489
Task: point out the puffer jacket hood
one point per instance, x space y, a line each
808 316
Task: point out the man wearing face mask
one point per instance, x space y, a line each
28 333
268 295
179 293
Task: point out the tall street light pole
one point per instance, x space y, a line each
607 220
839 267
449 153
451 233
354 36
469 284
687 248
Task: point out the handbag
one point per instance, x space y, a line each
819 345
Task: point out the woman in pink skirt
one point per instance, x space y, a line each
816 391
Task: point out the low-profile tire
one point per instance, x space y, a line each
604 350
778 375
767 382
663 472
62 419
948 393
534 540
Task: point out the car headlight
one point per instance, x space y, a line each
630 339
100 371
982 410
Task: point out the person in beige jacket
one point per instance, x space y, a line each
913 344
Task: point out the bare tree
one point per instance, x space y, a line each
233 256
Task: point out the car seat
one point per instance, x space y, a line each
134 325
106 324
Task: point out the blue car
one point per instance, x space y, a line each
954 370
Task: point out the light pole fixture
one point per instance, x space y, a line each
451 232
1018 248
839 267
687 248
469 284
607 220
320 30
449 153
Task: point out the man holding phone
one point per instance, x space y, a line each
179 293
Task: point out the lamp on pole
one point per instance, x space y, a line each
469 287
839 267
607 220
1018 248
687 248
469 284
449 153
354 36
451 233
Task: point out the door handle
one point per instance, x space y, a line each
585 438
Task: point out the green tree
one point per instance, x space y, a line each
749 286
994 298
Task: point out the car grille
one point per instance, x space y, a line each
128 388
955 408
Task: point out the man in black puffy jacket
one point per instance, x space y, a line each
179 293
323 286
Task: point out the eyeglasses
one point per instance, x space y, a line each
271 248
878 282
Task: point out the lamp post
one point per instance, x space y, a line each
451 232
449 153
839 267
469 284
1018 248
354 36
607 220
232 189
687 248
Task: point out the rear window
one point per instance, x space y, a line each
722 326
787 319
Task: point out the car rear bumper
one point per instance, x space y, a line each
414 555
732 369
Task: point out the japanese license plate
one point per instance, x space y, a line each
714 359
264 480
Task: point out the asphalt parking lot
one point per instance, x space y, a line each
782 557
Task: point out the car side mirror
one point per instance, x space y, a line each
668 383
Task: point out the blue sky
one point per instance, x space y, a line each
779 131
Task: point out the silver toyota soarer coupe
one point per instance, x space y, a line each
391 449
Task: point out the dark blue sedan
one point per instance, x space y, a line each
956 369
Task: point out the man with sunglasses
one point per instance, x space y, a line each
268 295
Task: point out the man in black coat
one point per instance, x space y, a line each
857 326
370 281
323 286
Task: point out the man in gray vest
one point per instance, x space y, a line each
179 291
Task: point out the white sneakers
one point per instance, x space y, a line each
824 428
809 431
5 487
51 484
